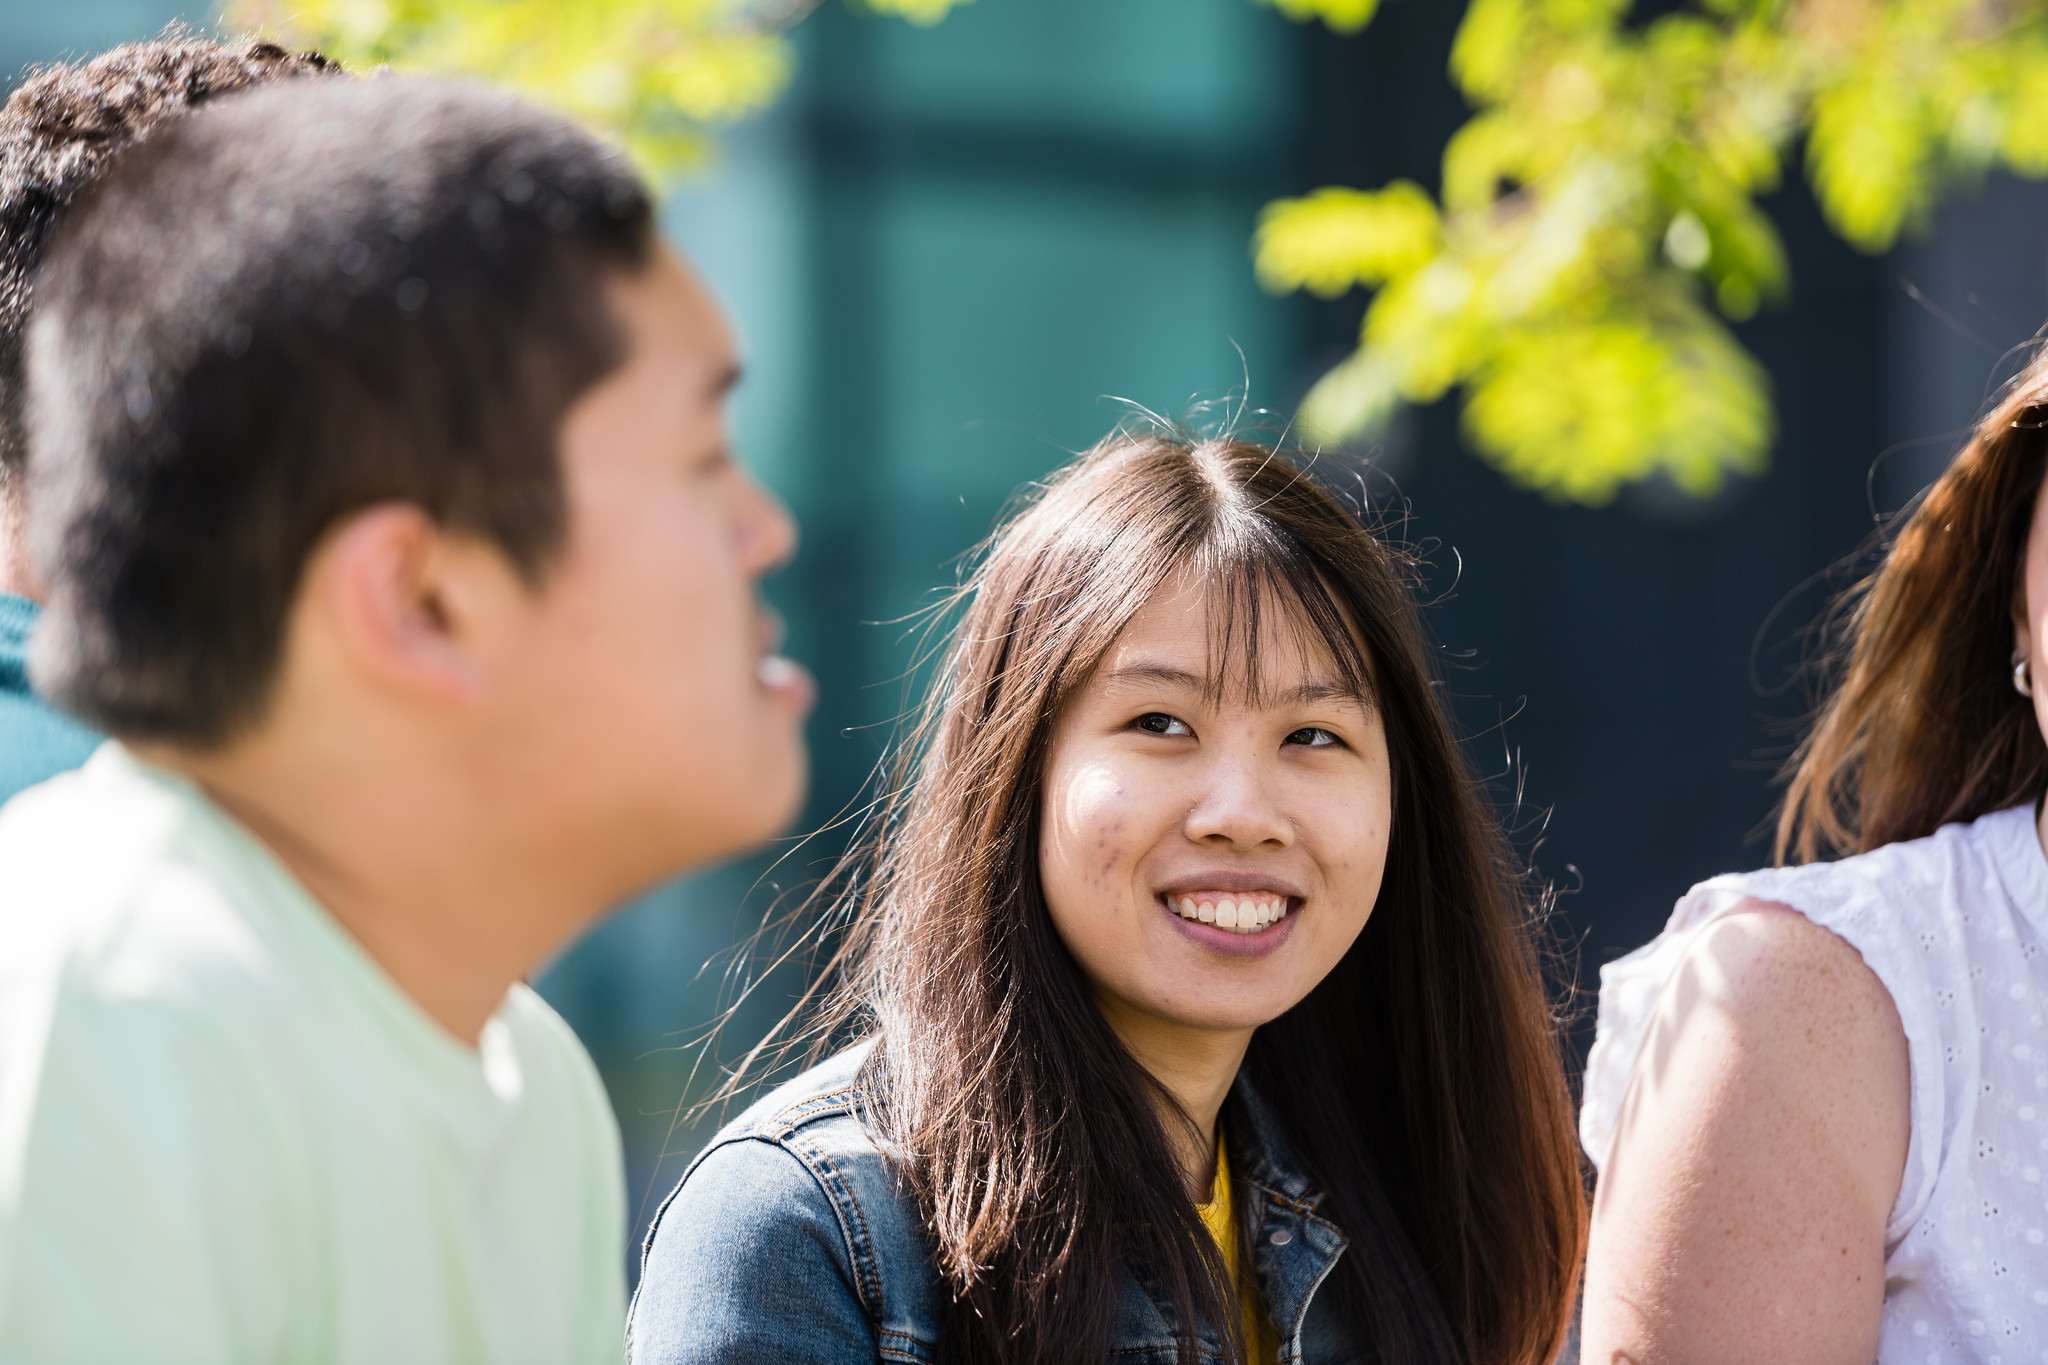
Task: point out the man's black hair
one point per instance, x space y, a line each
295 304
59 129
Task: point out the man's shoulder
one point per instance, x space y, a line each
553 1060
103 893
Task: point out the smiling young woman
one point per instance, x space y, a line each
1204 1018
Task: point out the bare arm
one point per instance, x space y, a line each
1741 1214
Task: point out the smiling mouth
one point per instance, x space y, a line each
1243 912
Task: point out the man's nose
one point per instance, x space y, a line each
767 530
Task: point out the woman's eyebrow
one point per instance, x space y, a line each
1157 674
1315 690
1301 694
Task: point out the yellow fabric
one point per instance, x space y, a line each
1219 1215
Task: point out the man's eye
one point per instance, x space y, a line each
1159 723
1312 737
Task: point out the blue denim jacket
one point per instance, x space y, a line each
790 1242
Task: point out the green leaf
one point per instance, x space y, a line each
1579 410
1868 155
1493 147
659 74
2025 141
1336 238
1428 330
1344 16
1489 44
1354 401
923 13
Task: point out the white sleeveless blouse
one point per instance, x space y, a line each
1956 927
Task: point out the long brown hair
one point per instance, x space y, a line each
1420 1082
1925 727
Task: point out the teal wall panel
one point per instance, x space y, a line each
34 31
1185 69
1017 316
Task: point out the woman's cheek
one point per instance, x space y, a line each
1350 845
1086 828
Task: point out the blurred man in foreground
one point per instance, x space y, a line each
389 527
58 131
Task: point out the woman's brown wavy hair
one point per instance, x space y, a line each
1925 727
1420 1083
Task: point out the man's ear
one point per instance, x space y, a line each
407 604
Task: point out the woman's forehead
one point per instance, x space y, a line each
1232 639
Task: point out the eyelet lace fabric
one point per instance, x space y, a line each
1956 927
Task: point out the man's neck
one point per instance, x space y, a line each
13 563
453 911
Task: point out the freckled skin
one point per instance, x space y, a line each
1763 1138
1295 791
1761 1145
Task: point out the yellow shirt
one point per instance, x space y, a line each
1219 1215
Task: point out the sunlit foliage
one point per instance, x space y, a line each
1597 225
661 74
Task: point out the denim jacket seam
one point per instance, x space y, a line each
1306 1208
675 1192
891 1344
780 1130
860 1251
1202 1351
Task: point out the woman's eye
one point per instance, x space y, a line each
1159 723
1312 737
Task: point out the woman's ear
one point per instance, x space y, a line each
2022 632
404 602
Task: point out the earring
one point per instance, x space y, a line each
2022 677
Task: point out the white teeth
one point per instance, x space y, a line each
1240 915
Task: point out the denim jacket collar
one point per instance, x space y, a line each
1294 1248
854 1257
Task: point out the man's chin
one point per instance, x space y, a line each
737 816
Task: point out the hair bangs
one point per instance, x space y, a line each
1267 595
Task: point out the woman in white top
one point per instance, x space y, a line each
1819 1100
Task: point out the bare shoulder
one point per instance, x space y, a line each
1768 1008
1770 973
1741 1213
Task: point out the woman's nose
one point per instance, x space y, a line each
1237 805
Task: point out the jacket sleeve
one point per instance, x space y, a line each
747 1265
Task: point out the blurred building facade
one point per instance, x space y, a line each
952 253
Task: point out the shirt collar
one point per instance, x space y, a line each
17 618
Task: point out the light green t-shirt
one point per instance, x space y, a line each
226 1135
